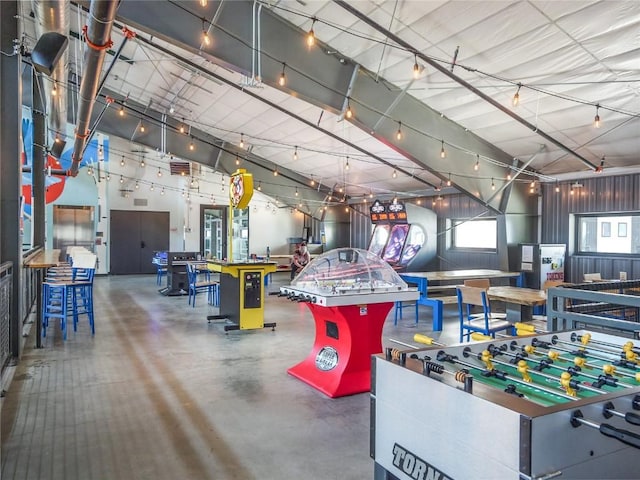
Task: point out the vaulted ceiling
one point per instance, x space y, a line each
567 61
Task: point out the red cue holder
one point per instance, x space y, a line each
346 336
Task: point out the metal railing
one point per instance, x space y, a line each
29 285
6 288
607 305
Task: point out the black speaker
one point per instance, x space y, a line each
57 148
47 52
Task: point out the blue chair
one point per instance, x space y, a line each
483 322
202 285
398 311
54 305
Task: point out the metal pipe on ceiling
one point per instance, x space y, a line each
349 8
98 38
53 16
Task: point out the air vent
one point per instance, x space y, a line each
180 168
140 202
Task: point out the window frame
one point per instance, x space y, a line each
577 230
454 222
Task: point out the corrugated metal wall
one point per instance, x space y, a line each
613 194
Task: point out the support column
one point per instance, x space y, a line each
38 160
10 164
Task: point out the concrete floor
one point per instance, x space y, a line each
159 393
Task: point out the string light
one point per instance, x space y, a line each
533 184
259 186
205 34
121 179
237 159
162 191
600 168
399 132
242 140
159 172
121 111
108 177
142 164
275 172
57 139
313 182
295 153
449 180
311 36
182 127
443 154
349 112
394 174
283 79
122 161
141 126
192 147
137 185
516 97
493 185
476 167
90 171
203 3
152 187
416 67
54 90
596 120
346 165
557 188
297 191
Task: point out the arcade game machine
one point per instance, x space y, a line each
404 235
349 292
177 280
241 282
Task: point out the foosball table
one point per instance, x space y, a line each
561 405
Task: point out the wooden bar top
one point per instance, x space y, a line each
519 295
44 259
460 274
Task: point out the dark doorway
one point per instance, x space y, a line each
135 237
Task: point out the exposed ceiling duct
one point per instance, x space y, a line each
53 16
98 40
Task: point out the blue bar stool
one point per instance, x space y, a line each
54 305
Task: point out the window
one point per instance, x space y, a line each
476 234
618 234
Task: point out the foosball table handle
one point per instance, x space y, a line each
625 436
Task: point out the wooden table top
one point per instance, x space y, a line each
460 274
44 259
522 296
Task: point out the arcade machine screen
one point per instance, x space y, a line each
379 239
397 237
414 243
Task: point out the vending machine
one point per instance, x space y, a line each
541 262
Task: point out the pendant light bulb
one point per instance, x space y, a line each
449 181
311 36
141 126
516 97
142 164
283 78
192 147
416 67
159 172
349 112
596 120
394 174
476 167
203 3
241 140
493 185
295 153
557 188
205 38
122 161
443 154
399 132
181 128
121 111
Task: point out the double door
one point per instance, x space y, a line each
135 237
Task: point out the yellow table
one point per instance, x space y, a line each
242 293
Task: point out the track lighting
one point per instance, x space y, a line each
311 36
122 161
349 112
416 67
443 154
283 79
399 132
295 153
516 97
476 167
596 120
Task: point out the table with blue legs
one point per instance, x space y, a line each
422 279
41 261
